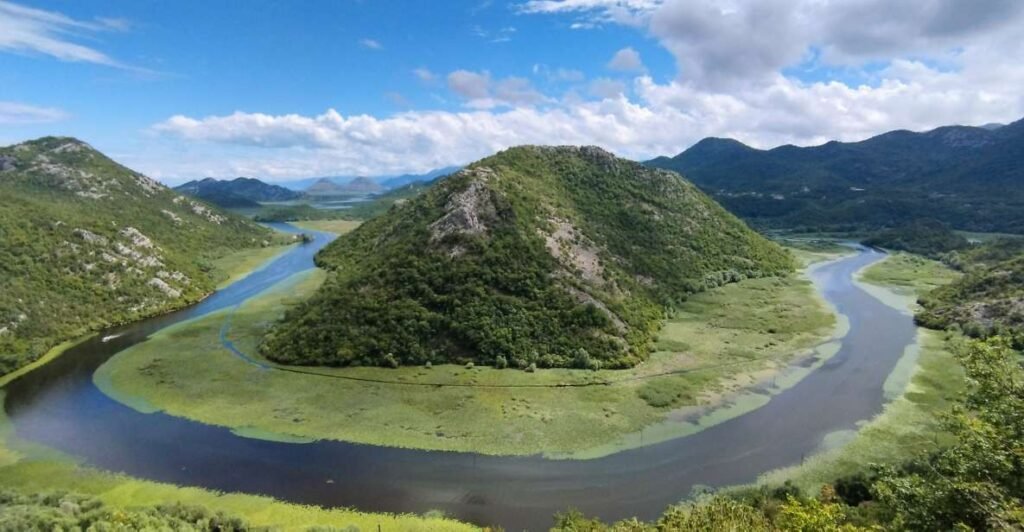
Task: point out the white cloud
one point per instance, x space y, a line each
481 92
934 63
25 29
558 75
606 88
21 113
662 119
595 12
371 44
626 60
425 75
470 85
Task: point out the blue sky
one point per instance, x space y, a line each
282 90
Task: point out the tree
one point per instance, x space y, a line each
978 481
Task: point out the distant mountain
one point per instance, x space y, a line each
386 182
405 179
558 257
326 186
86 242
969 177
363 185
238 192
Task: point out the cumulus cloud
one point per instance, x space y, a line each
21 113
25 29
626 60
606 88
662 119
937 62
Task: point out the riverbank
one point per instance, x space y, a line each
920 388
721 343
31 468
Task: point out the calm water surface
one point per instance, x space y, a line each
58 405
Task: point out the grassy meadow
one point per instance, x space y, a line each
720 342
338 227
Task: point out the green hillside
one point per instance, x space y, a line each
86 242
927 237
550 256
968 177
989 299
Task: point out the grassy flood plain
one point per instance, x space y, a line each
920 389
722 342
338 227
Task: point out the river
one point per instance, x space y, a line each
57 405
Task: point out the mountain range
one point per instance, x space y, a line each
238 192
387 182
544 256
969 177
358 186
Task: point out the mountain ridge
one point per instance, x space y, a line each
237 192
883 181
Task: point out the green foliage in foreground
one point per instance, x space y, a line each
988 300
559 257
930 238
974 483
86 242
64 511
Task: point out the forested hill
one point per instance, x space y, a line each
238 192
85 242
989 299
558 257
969 177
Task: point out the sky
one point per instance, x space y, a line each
287 90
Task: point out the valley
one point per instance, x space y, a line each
93 448
734 342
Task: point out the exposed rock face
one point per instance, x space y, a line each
468 213
161 285
7 163
90 237
174 217
137 238
575 251
205 212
